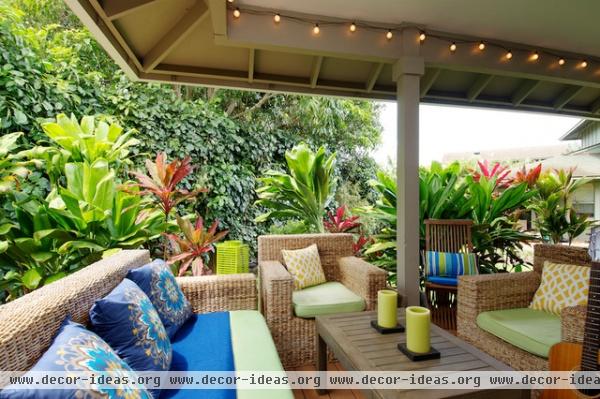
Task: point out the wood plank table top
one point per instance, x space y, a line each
358 347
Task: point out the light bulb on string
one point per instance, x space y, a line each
481 46
422 37
561 61
277 18
237 13
535 56
389 35
316 29
583 64
453 47
509 55
352 27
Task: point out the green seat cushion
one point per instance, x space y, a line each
534 331
326 298
254 350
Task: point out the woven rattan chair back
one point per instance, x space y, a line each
559 254
331 248
28 324
448 235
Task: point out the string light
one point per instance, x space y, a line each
423 35
230 1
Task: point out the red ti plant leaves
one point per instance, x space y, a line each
338 223
188 250
162 180
530 176
358 246
497 171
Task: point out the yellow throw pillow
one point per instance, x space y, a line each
305 266
562 286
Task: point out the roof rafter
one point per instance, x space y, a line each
595 108
477 87
373 76
171 39
251 55
116 9
524 91
566 95
315 70
429 79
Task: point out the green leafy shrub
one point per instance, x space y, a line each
304 193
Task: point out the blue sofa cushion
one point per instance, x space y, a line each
158 282
203 343
76 349
128 322
441 280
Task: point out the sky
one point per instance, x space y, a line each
445 129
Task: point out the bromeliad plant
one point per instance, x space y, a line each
304 192
500 173
192 248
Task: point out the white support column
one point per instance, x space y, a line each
407 73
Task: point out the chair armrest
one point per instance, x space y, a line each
487 292
362 278
277 286
220 292
572 323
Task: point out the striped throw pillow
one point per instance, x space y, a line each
451 264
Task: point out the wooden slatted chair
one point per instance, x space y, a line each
445 236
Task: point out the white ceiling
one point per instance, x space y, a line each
568 25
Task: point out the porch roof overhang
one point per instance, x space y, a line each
199 42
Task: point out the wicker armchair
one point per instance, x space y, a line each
295 337
487 292
28 324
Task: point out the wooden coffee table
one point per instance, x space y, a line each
358 347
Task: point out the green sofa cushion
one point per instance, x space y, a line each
534 331
326 298
254 350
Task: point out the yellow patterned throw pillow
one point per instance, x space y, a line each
305 266
562 286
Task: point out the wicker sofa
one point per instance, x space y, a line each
28 324
294 336
482 293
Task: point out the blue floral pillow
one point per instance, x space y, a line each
73 350
128 322
158 282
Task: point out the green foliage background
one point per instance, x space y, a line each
49 64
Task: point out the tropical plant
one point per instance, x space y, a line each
195 244
338 222
304 192
12 169
555 216
500 173
530 176
162 181
360 244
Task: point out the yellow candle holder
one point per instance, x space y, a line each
387 313
418 340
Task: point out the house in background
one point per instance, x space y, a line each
586 161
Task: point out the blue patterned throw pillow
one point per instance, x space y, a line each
74 350
158 282
128 322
